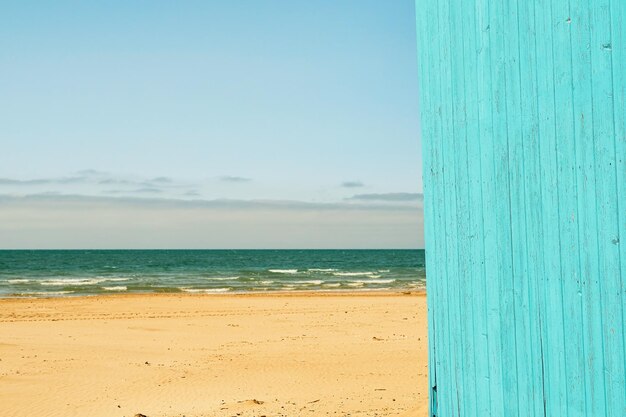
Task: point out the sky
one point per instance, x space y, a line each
209 124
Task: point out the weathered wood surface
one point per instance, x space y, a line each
523 108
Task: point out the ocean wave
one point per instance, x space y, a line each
222 278
283 271
383 270
79 281
310 282
322 269
43 293
18 281
332 285
353 274
355 284
375 281
205 290
120 288
72 282
268 282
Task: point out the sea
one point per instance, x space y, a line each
66 273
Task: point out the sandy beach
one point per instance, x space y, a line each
186 355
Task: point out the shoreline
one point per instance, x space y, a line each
277 293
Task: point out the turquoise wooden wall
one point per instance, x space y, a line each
523 107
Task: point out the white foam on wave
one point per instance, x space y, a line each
283 271
383 270
355 284
309 282
322 269
222 278
375 281
44 293
354 274
18 281
79 281
72 282
268 282
120 288
332 285
205 291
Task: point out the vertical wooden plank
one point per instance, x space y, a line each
445 381
490 365
464 339
440 208
450 405
487 110
614 292
480 388
605 317
502 210
519 277
553 338
586 185
568 209
533 306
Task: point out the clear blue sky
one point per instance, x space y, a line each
122 104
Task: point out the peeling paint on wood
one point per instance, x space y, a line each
523 109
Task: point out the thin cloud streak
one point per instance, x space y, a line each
162 180
352 184
95 180
137 191
115 181
229 204
228 178
43 181
388 197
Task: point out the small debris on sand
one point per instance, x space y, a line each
254 401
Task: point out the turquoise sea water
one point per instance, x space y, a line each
48 273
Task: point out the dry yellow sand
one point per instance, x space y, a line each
214 355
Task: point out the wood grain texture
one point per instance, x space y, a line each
523 109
